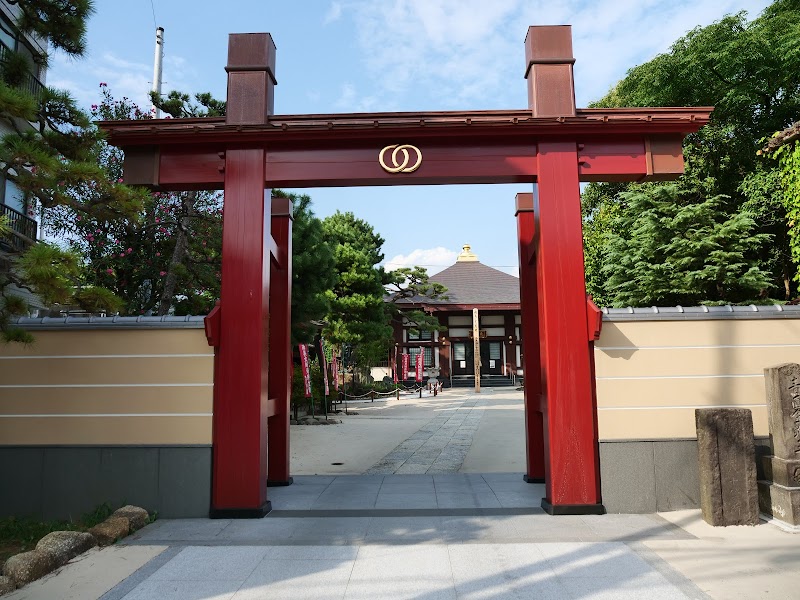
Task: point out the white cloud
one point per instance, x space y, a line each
334 13
434 259
471 51
350 100
124 77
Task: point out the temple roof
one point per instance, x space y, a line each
470 282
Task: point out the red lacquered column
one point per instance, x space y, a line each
280 351
534 433
571 449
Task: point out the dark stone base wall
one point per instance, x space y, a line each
652 476
52 482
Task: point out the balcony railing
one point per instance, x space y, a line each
22 234
29 83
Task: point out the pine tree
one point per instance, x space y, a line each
357 315
49 151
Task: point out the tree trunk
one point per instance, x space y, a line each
179 253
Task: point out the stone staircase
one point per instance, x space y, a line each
486 381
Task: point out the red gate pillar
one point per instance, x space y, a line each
241 405
572 473
534 431
280 352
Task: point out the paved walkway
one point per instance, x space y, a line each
357 494
433 535
438 447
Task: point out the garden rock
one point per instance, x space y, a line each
136 515
66 545
110 530
28 566
6 585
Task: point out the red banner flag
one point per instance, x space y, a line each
406 364
394 366
418 366
335 372
323 363
306 370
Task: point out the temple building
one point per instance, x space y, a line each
450 352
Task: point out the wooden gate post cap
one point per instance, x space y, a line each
524 202
251 52
548 44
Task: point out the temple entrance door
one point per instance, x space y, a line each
491 358
463 359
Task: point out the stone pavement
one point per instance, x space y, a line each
440 446
431 535
391 554
357 493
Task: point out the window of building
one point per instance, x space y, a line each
459 352
12 196
7 36
494 351
420 335
11 39
427 359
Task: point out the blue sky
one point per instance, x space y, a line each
387 55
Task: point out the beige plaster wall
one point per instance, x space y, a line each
99 387
154 386
652 375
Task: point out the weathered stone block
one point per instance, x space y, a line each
727 466
6 585
783 472
780 502
783 406
110 530
66 545
137 516
29 566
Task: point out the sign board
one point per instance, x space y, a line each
335 372
323 364
306 370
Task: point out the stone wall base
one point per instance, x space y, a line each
65 482
647 476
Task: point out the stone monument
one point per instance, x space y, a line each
779 494
726 455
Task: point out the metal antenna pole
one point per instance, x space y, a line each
159 57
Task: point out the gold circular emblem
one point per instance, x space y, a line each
400 166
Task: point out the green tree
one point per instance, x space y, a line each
162 259
413 284
747 71
785 148
49 152
358 313
313 272
668 247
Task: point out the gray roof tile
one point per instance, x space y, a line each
475 283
